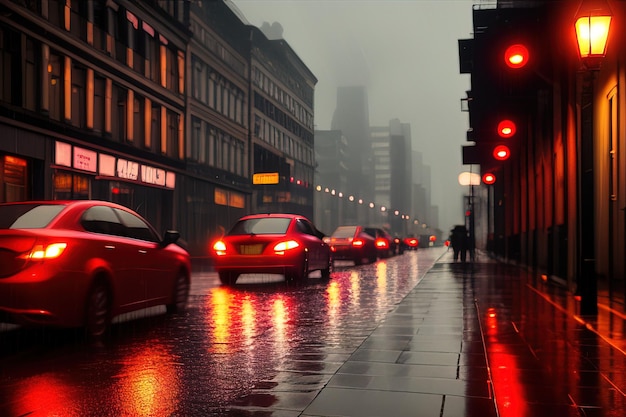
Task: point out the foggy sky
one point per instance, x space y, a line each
406 53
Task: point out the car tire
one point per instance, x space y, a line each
299 274
97 311
180 295
326 271
227 278
358 261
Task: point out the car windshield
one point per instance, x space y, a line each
264 226
344 231
28 216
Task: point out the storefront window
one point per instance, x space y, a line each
14 179
70 186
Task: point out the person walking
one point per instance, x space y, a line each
458 241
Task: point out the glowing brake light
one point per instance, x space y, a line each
381 243
358 242
51 251
220 248
281 247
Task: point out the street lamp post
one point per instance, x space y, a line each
471 179
592 29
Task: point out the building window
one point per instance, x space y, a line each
98 103
155 128
55 13
211 147
7 57
212 89
151 49
30 75
55 88
172 134
195 145
139 121
119 97
218 151
78 96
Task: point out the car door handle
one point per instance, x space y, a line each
109 247
142 251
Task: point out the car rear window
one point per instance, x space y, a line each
265 226
28 216
344 231
371 231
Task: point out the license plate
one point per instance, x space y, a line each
251 249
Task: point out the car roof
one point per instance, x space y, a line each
273 215
72 204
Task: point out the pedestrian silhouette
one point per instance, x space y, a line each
459 241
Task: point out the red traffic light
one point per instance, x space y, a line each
489 178
501 152
516 56
506 128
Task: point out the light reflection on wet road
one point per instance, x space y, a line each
242 347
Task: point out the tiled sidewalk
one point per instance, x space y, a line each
486 339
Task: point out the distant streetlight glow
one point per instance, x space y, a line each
469 178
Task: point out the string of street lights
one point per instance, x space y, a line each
371 205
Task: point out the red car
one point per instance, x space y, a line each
410 243
384 241
287 244
353 244
81 263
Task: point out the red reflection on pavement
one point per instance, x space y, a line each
509 393
43 392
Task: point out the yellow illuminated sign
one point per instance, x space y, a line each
265 178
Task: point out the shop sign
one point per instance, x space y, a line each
63 154
128 170
84 159
151 175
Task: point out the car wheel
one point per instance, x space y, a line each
326 271
97 311
227 278
358 261
180 295
299 274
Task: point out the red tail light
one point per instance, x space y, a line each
282 247
358 242
47 251
220 248
382 243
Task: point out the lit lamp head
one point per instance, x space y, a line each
593 21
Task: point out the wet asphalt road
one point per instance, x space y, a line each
234 350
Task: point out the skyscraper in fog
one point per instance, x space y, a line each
351 117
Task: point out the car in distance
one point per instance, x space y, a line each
383 240
410 243
275 243
81 263
353 244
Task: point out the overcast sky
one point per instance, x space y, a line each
406 53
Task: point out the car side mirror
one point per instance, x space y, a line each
171 236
